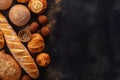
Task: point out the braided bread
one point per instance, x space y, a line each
17 49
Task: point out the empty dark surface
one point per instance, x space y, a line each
85 42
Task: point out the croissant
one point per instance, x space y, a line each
17 49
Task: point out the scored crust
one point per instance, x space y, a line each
36 6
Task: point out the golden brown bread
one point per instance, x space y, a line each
43 59
5 4
2 42
37 6
36 44
17 49
9 68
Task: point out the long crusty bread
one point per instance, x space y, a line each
17 49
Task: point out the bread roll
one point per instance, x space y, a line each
2 42
37 6
9 68
17 49
34 26
42 19
19 15
45 30
43 59
36 44
5 4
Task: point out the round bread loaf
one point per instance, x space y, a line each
9 68
19 15
5 4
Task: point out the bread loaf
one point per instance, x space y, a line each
19 15
9 68
17 49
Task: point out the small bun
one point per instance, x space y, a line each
5 4
36 44
37 6
45 30
43 59
34 26
42 19
19 15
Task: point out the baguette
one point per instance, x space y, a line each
17 49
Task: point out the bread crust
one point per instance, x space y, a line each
2 42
